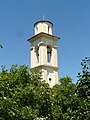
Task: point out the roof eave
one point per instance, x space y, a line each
42 21
45 35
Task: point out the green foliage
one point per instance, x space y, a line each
83 84
24 96
63 98
83 91
1 46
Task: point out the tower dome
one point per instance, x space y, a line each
43 26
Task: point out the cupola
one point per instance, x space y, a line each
43 26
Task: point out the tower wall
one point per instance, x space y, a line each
44 52
50 75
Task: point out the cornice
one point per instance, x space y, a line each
46 66
40 35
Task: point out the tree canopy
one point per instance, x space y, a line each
24 96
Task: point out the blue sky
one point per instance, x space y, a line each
71 19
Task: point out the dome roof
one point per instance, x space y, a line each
43 21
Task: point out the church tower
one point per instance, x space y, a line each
44 51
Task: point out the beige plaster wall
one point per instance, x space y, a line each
43 27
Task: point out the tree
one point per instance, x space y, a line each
22 94
83 84
83 91
1 46
63 99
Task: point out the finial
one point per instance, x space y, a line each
43 17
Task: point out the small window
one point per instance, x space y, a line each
48 29
48 54
36 29
50 79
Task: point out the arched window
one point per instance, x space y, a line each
49 54
37 53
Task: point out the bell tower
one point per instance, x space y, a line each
44 51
